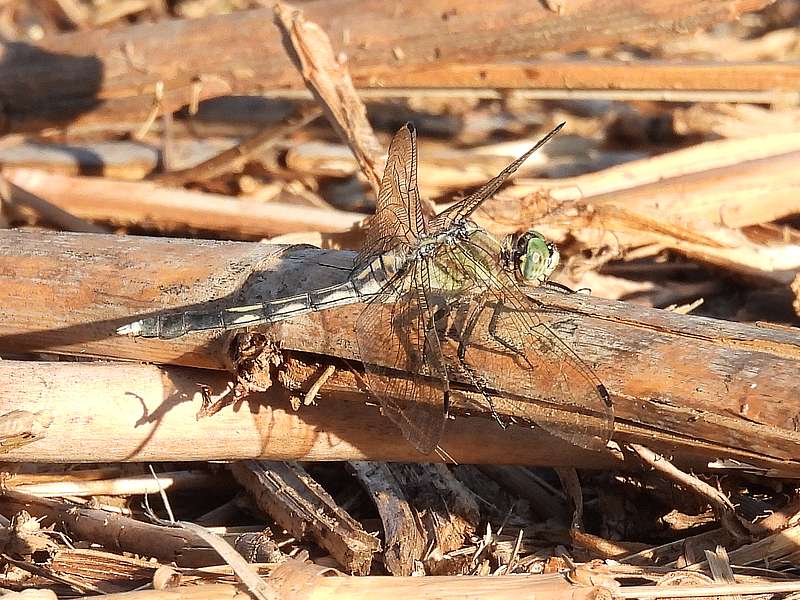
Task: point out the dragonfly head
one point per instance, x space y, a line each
530 256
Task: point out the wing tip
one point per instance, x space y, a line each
405 135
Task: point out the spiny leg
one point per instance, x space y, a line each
431 338
466 332
542 308
557 287
493 330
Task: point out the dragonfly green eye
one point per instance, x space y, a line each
533 257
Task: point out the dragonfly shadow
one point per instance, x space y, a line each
46 87
294 270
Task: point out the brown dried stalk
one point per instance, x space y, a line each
329 81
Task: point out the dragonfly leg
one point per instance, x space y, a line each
470 322
494 332
403 323
442 313
505 342
541 310
558 287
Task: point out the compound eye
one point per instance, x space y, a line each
522 242
534 258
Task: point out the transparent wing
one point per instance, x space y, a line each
507 341
468 205
402 356
398 219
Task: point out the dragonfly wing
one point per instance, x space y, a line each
512 346
463 209
403 362
398 219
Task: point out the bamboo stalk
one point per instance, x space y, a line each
132 412
546 587
662 369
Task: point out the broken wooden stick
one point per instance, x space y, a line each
152 205
286 492
16 200
108 76
114 531
234 158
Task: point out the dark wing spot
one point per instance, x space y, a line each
601 389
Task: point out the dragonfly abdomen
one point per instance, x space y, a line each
359 286
369 281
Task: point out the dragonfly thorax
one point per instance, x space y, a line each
429 245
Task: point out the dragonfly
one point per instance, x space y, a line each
444 311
